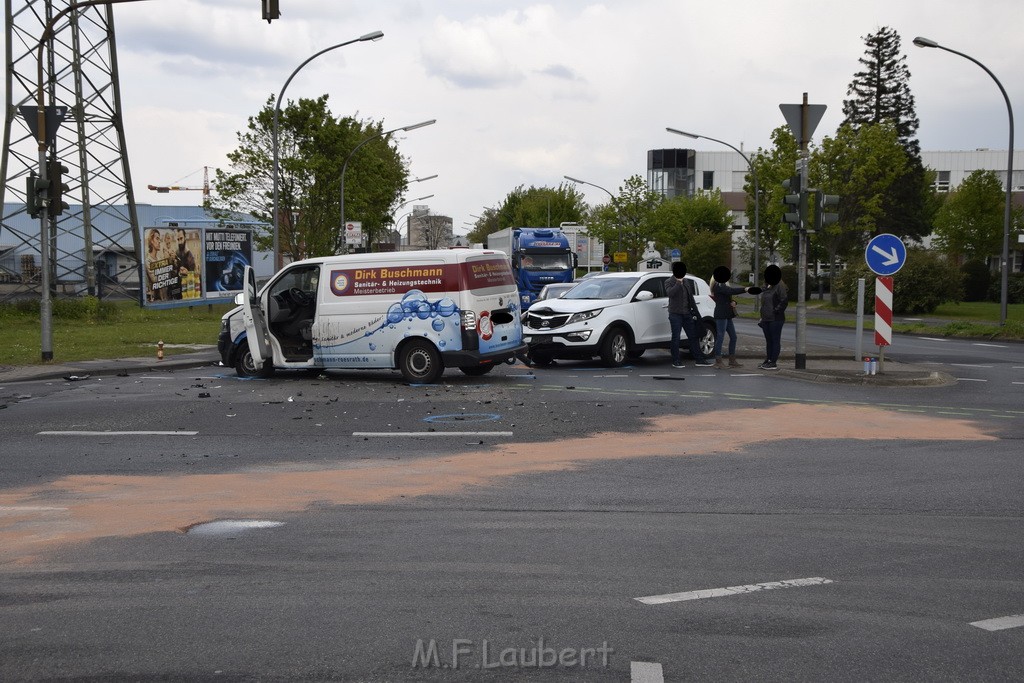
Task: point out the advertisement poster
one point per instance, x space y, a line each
171 265
228 252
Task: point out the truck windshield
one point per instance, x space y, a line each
546 261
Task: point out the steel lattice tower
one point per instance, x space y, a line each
80 73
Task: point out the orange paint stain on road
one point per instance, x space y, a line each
31 521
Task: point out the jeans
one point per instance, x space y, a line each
773 338
723 325
684 322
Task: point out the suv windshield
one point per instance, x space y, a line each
602 288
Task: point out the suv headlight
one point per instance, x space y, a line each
583 316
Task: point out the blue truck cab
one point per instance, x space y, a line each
539 257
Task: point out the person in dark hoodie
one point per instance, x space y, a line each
683 315
725 311
774 299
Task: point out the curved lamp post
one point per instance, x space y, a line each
618 246
1005 269
375 35
362 142
409 213
757 196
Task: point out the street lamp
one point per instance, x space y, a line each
344 166
374 36
418 199
757 196
1005 269
618 246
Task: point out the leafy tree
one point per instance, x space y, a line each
625 223
880 93
859 165
485 225
698 226
772 166
312 147
970 223
541 207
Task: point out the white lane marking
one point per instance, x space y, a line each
994 346
970 379
140 433
646 672
969 365
732 590
1000 623
1016 382
390 434
933 339
29 508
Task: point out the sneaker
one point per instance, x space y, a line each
762 364
704 363
770 366
677 364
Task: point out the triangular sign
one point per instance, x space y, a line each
54 117
794 116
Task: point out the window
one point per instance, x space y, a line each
942 181
709 180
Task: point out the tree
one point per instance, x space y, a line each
859 165
772 166
541 207
485 225
625 221
698 226
970 223
312 147
881 93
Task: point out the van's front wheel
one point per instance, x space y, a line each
420 362
245 367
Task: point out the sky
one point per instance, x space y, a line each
525 93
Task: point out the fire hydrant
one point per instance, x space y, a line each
160 350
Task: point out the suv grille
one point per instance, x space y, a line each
545 320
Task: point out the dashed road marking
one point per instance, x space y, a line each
646 672
732 590
1000 623
139 433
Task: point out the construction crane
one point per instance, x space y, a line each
205 189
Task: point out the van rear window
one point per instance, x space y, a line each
485 273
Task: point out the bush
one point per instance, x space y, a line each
1014 288
925 281
977 277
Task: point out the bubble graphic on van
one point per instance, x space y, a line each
438 324
395 313
445 307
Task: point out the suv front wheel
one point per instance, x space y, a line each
615 348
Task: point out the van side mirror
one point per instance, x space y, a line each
240 299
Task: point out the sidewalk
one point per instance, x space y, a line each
824 364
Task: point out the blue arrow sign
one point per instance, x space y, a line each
885 254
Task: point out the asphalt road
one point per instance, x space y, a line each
505 526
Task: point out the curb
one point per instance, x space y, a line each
908 378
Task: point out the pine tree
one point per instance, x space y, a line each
881 91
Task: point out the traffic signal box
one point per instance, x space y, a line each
794 202
271 10
57 187
36 194
822 215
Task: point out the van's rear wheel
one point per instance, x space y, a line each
246 367
420 362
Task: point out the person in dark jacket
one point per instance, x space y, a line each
725 311
774 300
683 316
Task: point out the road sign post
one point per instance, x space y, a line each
885 254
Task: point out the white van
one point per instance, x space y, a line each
417 311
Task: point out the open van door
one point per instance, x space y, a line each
255 321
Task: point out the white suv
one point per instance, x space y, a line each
616 316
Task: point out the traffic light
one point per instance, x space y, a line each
36 190
822 216
792 201
57 187
271 10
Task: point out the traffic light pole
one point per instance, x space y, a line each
801 268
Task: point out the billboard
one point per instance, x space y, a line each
226 254
171 266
